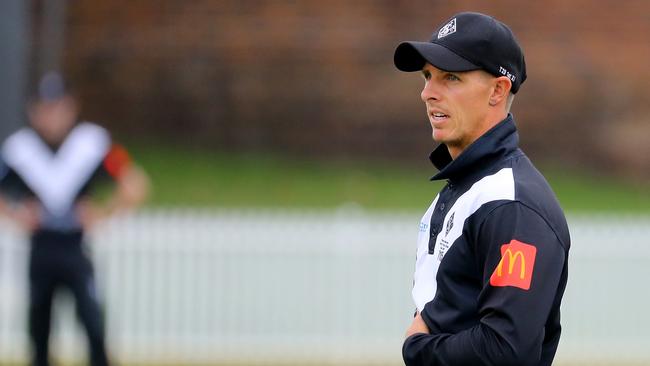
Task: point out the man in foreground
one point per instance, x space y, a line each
493 246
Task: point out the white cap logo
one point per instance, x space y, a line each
448 29
507 73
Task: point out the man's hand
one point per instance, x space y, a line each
89 213
417 326
26 215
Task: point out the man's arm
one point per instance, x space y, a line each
132 187
513 305
25 213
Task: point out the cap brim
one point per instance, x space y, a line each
411 56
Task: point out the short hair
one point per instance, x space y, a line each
511 97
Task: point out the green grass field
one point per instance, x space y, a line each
200 178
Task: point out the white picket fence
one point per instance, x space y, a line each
188 286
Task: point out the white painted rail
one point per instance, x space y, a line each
272 286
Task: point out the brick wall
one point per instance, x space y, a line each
315 77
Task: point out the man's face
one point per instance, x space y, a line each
457 105
53 119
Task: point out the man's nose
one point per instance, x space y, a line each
430 91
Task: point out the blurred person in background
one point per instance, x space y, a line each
50 173
493 246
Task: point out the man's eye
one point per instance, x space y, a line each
452 77
426 75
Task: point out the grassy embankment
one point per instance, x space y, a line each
205 179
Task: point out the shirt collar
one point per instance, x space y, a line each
493 145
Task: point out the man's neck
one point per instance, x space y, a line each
491 120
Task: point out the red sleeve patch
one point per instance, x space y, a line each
516 265
116 161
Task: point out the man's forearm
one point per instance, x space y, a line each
476 346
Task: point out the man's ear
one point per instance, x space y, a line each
500 91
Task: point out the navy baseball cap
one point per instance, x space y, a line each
467 41
51 87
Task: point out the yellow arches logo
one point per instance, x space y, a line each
512 258
516 265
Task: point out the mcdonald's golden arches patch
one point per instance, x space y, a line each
516 265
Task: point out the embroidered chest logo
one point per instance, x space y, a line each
443 245
450 224
447 29
442 249
516 265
